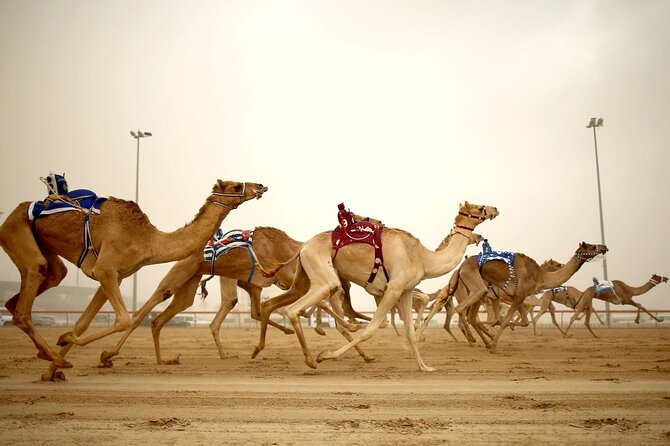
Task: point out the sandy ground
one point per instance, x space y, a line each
535 389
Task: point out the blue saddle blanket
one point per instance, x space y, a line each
505 256
82 200
222 243
604 285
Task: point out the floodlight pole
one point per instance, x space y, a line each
137 135
595 123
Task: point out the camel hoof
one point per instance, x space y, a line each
55 376
227 356
324 355
257 350
320 331
310 363
66 339
106 359
429 369
288 331
369 358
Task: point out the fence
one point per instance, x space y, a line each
242 318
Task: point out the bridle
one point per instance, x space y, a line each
234 195
478 217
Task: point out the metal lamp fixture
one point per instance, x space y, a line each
137 135
594 123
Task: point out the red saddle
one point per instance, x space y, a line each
351 231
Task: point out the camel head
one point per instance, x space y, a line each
470 215
656 279
551 265
587 252
231 194
55 183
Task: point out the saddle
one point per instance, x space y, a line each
602 285
221 244
489 254
61 199
351 231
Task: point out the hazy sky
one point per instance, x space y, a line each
399 109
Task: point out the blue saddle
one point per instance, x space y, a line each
76 200
489 254
222 243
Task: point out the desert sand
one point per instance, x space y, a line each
534 390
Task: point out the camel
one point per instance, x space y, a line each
182 280
421 300
568 296
529 278
492 299
620 294
122 240
406 261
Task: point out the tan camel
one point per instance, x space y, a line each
270 246
529 279
406 261
421 300
566 295
621 294
446 300
123 240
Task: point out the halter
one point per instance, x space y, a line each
465 214
586 256
234 195
654 281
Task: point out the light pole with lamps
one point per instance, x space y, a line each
137 135
594 123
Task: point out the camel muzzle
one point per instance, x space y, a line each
259 192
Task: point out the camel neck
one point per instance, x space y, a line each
560 276
190 238
446 257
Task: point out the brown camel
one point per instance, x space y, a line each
446 300
529 279
621 294
565 295
406 261
270 246
123 240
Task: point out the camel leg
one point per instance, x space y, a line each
342 325
228 301
37 275
80 327
552 312
391 295
298 288
595 313
183 299
393 312
510 313
319 321
437 306
349 310
255 300
587 321
641 308
450 311
179 274
109 279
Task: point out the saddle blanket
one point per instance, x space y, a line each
222 243
604 285
505 256
77 200
360 232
